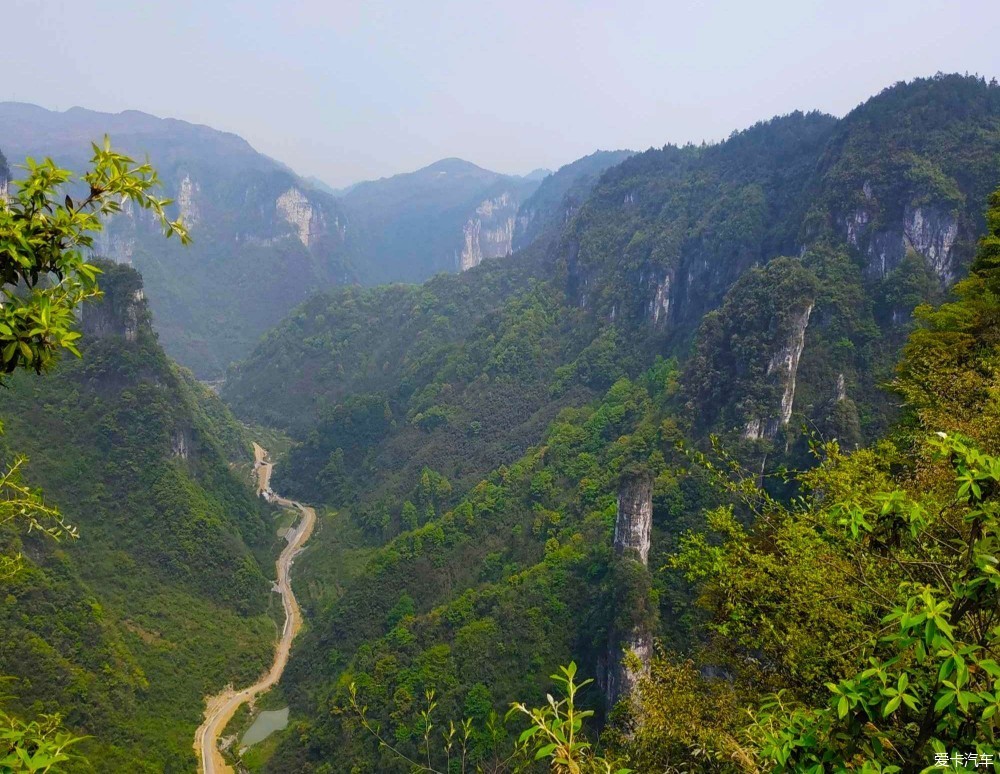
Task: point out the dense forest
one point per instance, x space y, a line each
478 434
720 434
162 597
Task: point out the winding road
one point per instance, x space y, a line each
221 707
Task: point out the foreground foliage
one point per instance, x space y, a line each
44 279
38 746
861 619
44 233
554 736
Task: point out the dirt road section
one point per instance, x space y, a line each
221 707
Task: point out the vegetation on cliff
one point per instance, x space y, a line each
117 629
441 554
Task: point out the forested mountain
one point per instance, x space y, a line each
448 216
560 195
249 216
252 217
476 433
164 596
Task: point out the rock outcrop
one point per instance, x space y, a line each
187 194
659 306
122 311
633 526
296 210
783 366
931 230
490 232
180 446
634 522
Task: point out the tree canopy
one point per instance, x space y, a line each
44 235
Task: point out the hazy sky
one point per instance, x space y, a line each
350 91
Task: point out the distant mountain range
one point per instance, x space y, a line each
447 216
501 447
251 217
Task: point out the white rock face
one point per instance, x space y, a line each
295 209
472 253
132 315
785 365
186 201
754 429
490 232
634 522
786 361
932 234
841 389
929 230
856 225
633 526
117 247
118 239
659 307
179 444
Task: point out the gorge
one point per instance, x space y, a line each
677 417
221 707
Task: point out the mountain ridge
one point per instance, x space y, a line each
694 292
162 598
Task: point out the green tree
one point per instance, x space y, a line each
554 735
43 236
44 277
860 619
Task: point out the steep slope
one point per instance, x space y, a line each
741 260
249 216
163 598
882 207
445 217
380 383
560 195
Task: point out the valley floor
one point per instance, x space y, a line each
221 707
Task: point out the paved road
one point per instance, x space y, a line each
221 707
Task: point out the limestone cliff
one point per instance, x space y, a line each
295 209
782 367
187 201
929 229
634 521
122 311
489 233
631 632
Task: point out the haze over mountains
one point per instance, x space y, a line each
477 431
483 383
252 217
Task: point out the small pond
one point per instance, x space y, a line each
264 725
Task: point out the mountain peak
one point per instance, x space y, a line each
537 174
454 164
